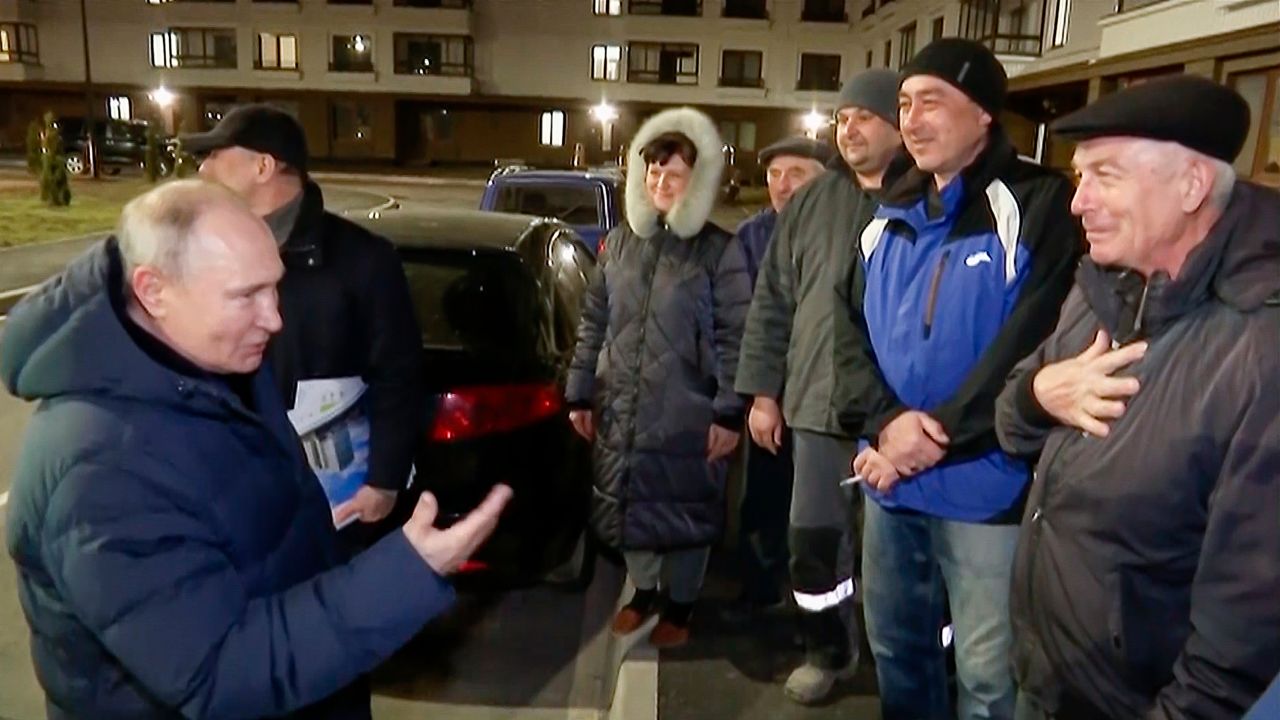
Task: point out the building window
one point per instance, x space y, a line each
888 53
749 9
823 11
662 63
606 62
551 128
433 55
351 121
684 8
1061 19
905 45
606 7
819 72
194 48
19 44
455 4
938 25
277 52
741 134
352 53
1260 157
1004 26
741 68
350 2
119 107
871 59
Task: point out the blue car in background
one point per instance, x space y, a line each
589 201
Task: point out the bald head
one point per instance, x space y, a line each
203 271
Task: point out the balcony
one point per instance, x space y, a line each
1009 27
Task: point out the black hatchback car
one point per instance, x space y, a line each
498 298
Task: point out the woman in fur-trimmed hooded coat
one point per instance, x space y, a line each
652 378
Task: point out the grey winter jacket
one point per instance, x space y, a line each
1147 576
788 340
656 355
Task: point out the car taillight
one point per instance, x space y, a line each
469 412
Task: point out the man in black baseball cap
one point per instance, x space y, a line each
1148 573
967 263
259 128
344 298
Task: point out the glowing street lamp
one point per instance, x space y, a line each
606 114
814 122
163 97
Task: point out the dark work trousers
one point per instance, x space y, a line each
824 544
766 506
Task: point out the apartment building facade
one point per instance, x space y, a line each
448 81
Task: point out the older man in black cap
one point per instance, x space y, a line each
1147 579
786 356
961 274
790 164
344 298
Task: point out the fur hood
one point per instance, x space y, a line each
692 211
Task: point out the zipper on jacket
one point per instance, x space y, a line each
932 303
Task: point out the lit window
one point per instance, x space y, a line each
606 7
119 107
551 128
606 62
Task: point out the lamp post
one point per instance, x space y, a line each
91 141
164 99
605 114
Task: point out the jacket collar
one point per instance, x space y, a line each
305 246
1238 263
907 186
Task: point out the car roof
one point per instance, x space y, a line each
432 228
556 176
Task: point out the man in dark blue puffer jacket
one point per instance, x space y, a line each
175 555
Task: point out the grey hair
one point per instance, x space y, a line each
1224 181
156 228
1167 156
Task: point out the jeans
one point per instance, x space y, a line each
679 572
912 563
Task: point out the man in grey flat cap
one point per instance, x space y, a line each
1147 576
787 356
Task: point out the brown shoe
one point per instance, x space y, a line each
667 634
628 620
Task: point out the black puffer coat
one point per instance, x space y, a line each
656 356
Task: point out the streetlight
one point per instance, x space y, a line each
814 122
163 97
606 114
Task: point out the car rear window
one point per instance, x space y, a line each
574 204
482 303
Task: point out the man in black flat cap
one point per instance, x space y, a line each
787 365
790 164
344 298
1147 577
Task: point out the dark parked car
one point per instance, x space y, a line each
121 143
589 201
498 298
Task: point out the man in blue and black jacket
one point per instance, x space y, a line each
962 273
